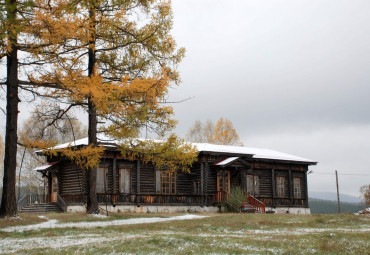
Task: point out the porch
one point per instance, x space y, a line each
36 203
248 204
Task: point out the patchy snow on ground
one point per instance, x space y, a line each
11 245
54 223
219 238
279 232
364 211
16 245
98 215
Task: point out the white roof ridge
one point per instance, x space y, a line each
257 153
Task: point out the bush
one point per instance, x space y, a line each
236 199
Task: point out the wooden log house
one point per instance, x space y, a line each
274 179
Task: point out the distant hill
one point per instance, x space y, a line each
319 206
332 196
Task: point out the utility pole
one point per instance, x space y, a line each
336 178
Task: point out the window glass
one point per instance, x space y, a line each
101 179
165 182
173 183
256 186
250 184
280 186
253 185
158 181
297 187
124 181
196 187
55 184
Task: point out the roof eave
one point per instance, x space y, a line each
228 154
287 161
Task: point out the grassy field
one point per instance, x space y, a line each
215 234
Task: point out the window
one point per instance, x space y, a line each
297 187
165 182
101 179
280 186
256 186
197 188
55 184
253 185
124 180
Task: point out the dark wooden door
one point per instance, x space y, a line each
223 181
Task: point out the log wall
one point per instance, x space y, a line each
142 183
71 179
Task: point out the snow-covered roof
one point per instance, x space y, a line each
256 153
226 161
44 167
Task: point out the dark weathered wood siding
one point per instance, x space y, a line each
147 179
143 182
71 179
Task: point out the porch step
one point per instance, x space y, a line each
41 208
247 208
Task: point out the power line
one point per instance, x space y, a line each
342 174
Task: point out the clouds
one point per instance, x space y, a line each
280 70
291 75
265 57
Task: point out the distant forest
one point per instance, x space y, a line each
318 206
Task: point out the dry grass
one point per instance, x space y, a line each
22 219
218 234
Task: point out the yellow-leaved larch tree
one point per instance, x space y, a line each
116 60
14 18
222 133
225 133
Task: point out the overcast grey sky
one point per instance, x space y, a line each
293 76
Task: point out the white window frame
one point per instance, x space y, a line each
165 182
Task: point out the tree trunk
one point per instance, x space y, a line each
92 203
8 204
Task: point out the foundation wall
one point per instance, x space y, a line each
147 209
291 210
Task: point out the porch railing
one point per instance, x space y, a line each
62 204
256 204
223 196
23 202
38 199
29 199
